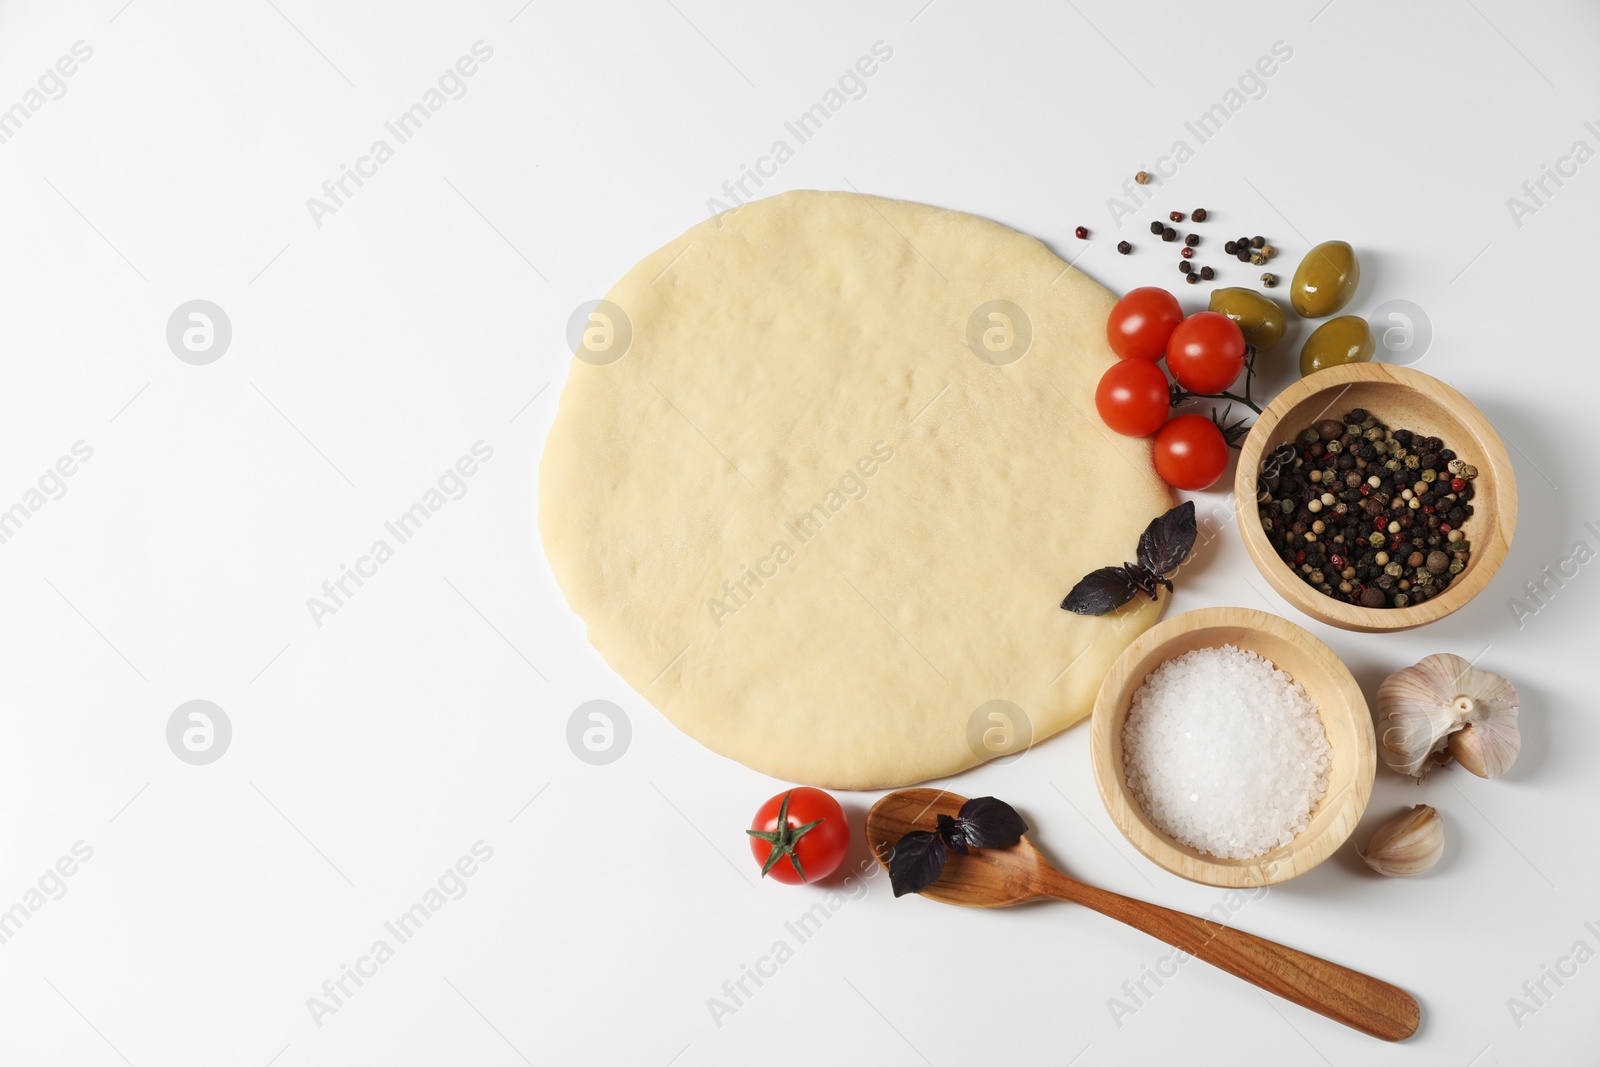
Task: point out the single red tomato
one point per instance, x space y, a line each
1141 322
1132 397
1206 352
800 836
1191 453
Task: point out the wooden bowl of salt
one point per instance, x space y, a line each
1221 758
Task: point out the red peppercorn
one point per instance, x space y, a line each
1082 232
1381 522
1457 484
1176 216
1427 509
1300 557
1366 490
1445 527
1186 252
1337 561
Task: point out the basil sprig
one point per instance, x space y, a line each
982 822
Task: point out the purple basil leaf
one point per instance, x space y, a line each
952 833
1106 589
1166 542
990 823
915 864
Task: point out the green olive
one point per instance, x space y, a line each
1346 339
1325 280
1260 317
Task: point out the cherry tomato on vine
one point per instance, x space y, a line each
1141 322
800 835
1132 397
1206 352
1191 453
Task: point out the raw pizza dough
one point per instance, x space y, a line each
815 508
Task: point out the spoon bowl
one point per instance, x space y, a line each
983 878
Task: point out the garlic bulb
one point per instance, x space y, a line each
1407 845
1444 707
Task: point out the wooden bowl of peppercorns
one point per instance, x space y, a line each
1374 497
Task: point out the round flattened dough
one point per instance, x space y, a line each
804 519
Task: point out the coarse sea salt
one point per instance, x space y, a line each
1225 752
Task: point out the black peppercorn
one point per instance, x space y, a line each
1184 266
1192 239
1124 247
1192 279
1198 214
1242 256
1169 234
1358 529
1156 228
1258 241
1230 247
1207 273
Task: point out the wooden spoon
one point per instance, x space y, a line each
993 878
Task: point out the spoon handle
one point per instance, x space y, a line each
1350 997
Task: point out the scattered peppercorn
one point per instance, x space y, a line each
1361 513
1156 228
1198 214
1186 252
1124 247
1207 273
1242 242
1192 239
1192 279
1142 178
1082 233
1243 255
1184 266
1269 280
1175 216
1258 241
1268 251
1231 247
1168 233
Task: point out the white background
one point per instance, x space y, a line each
429 313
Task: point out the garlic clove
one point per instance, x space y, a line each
1407 845
1488 747
1424 710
